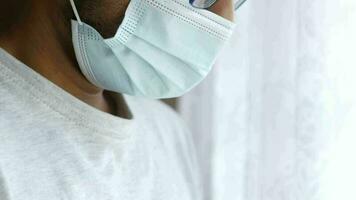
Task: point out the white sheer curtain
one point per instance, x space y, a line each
275 120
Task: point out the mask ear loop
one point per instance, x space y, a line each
76 12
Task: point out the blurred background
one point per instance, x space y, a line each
276 119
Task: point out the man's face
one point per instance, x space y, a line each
104 15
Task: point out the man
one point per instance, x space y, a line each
63 137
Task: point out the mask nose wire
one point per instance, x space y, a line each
76 12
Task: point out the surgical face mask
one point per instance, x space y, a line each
162 49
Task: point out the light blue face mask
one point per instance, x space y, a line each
162 49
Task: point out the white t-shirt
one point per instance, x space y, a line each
55 147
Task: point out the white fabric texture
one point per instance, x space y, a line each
54 146
276 118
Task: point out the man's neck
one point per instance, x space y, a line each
43 42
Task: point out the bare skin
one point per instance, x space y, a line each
41 38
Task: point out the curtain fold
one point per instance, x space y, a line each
275 118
